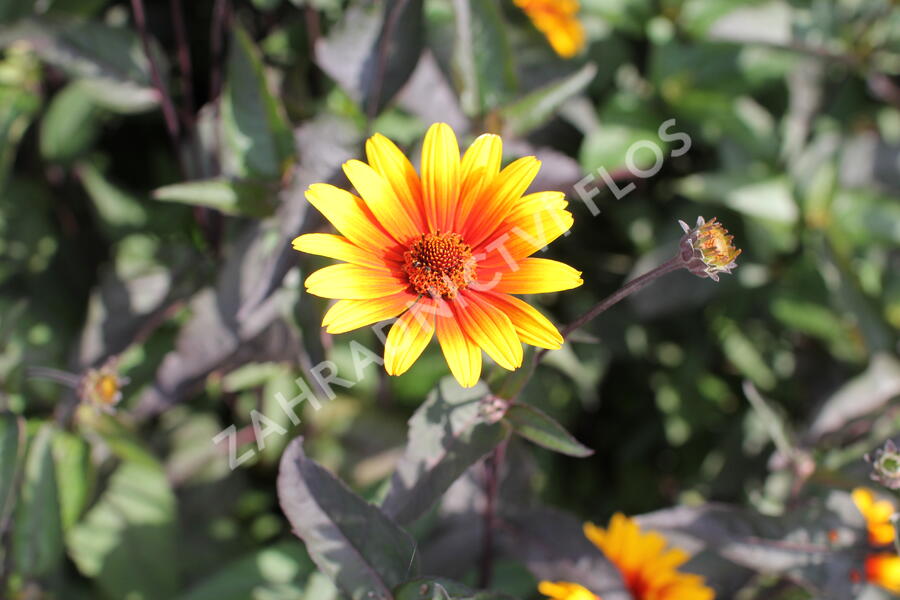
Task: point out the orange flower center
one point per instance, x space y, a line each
439 264
107 387
716 246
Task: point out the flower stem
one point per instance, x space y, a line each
62 377
492 467
626 290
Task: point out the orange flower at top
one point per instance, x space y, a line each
444 251
648 568
877 514
557 20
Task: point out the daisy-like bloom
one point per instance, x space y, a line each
707 249
884 570
102 388
649 569
445 252
558 21
877 514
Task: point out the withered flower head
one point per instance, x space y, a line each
707 249
102 387
886 465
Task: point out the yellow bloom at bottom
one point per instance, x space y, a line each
648 568
557 20
877 514
564 590
884 570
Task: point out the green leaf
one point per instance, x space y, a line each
71 125
353 542
74 476
262 572
609 145
253 119
109 61
10 10
126 542
116 207
538 427
447 434
373 50
242 198
537 107
37 537
19 102
482 57
12 449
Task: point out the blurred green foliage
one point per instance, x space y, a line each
166 245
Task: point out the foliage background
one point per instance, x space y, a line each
166 244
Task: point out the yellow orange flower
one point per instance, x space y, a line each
564 590
102 388
557 20
445 252
648 568
877 514
884 570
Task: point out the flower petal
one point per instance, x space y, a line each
352 217
479 168
386 158
338 247
532 276
347 315
523 236
382 201
533 327
497 200
352 282
440 176
462 354
408 337
488 327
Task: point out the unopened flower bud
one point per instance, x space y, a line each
707 250
886 465
102 388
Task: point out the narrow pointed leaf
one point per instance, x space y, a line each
255 126
538 427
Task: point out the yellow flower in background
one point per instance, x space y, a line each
649 570
558 21
563 590
445 252
884 570
102 387
877 514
